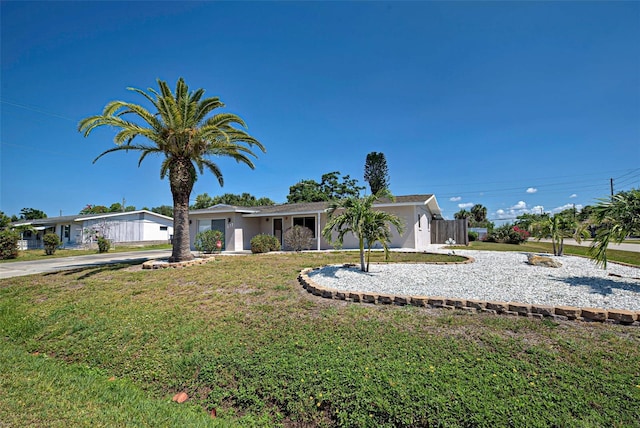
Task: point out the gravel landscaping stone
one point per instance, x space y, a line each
496 276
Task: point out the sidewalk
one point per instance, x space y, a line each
635 248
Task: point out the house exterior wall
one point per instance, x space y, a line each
241 227
244 228
135 227
422 228
406 240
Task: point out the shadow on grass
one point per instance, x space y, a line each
96 269
602 286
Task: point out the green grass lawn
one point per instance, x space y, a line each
30 255
110 346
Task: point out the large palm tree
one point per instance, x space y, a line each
615 219
356 216
181 129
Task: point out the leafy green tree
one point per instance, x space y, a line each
118 208
180 129
478 214
4 220
94 209
376 172
244 200
163 210
31 214
616 218
330 188
356 215
525 220
462 214
557 228
203 201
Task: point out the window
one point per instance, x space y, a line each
164 228
308 222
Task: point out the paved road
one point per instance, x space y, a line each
12 269
622 247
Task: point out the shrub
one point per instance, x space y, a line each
473 236
51 243
264 243
209 241
298 238
9 244
508 234
103 244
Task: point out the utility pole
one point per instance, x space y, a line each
611 184
123 201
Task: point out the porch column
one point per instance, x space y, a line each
318 232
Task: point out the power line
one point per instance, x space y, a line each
37 110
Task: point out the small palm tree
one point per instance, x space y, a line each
615 219
181 129
358 217
558 228
376 229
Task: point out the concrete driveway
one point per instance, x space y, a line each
12 269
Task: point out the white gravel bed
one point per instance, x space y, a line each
497 276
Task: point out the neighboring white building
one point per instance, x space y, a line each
240 224
140 226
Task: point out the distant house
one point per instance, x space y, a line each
240 224
132 227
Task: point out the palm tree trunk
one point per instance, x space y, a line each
181 179
362 267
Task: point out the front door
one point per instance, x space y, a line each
277 229
219 225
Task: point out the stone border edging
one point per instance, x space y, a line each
564 313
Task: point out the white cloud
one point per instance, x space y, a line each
538 209
500 212
532 190
455 198
578 207
573 195
466 205
521 205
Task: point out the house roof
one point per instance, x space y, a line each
224 208
319 207
52 221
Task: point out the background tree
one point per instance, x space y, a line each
615 220
31 214
244 200
94 209
330 188
462 214
478 214
4 220
376 172
525 220
203 201
179 128
163 210
356 216
118 208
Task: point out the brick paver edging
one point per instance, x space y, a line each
618 316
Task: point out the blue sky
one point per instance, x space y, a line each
519 106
